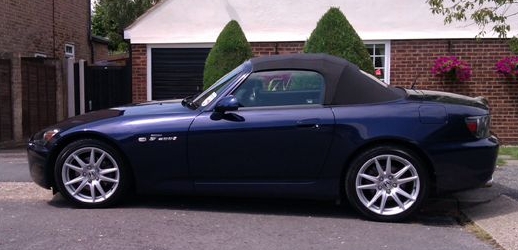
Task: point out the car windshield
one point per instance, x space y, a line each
215 90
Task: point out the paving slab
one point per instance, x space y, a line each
495 209
499 218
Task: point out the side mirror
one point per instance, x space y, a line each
227 103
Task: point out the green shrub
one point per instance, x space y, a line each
306 81
513 44
334 35
230 50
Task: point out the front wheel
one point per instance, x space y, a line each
90 173
387 183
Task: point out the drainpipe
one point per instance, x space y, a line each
90 42
129 66
53 28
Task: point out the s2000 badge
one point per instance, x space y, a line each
156 137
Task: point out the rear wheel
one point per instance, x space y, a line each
387 183
91 173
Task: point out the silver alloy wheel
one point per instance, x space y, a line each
90 175
387 184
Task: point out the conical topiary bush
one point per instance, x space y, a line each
334 35
230 50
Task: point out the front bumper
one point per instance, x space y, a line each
38 157
465 165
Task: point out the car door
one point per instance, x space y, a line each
281 134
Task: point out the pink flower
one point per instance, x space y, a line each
450 66
508 66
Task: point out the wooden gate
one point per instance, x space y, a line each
6 124
38 94
105 87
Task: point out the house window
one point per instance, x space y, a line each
380 55
70 50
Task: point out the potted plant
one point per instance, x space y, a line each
452 69
508 67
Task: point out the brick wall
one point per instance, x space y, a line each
101 52
411 59
30 27
71 18
139 72
266 49
26 27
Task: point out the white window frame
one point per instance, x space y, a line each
71 47
386 73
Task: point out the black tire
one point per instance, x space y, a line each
390 196
77 176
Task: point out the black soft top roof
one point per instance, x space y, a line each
345 84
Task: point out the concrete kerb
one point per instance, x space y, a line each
498 217
492 211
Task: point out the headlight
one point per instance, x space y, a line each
43 137
47 135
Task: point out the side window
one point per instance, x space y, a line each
280 88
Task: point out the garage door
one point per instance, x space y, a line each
177 73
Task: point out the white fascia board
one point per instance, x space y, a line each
201 21
202 42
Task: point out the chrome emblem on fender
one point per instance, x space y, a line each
157 137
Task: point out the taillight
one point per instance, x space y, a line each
479 125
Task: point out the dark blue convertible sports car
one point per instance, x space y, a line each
303 126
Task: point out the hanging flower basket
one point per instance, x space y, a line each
452 69
508 67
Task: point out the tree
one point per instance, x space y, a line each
334 35
111 17
230 50
482 12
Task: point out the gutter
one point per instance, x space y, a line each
89 32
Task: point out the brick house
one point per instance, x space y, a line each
37 36
171 41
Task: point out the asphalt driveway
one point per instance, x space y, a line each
32 218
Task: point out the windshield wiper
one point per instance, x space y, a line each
187 102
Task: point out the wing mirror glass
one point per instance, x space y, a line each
227 103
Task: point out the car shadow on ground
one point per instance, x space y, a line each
436 212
